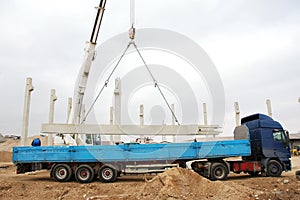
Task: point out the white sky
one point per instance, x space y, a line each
254 45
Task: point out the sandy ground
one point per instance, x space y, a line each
172 184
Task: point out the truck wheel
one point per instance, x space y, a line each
218 171
297 173
274 168
107 174
61 172
84 174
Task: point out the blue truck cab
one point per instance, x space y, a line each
269 142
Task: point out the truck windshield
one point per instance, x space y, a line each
279 135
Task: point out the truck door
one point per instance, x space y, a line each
281 145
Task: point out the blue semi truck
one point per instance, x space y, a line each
261 144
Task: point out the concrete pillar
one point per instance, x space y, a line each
205 114
111 122
53 98
111 115
117 106
141 118
82 111
237 114
141 115
173 110
173 121
269 107
69 108
28 89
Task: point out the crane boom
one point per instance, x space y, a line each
89 54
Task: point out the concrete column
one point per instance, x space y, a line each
111 115
141 118
141 115
173 121
117 106
269 107
111 122
237 114
69 108
173 110
53 98
205 114
82 111
28 89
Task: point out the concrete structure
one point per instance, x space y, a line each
118 130
269 107
237 114
69 109
204 114
53 98
111 122
29 88
117 106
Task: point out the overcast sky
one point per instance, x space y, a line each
255 45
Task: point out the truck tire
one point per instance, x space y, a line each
297 173
219 171
107 174
274 168
84 174
61 172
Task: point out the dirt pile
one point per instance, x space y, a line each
5 156
10 143
7 146
178 183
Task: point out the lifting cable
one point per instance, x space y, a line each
156 84
131 42
105 84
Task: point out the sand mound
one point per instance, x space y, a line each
5 156
178 183
9 144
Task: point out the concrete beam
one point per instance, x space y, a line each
131 129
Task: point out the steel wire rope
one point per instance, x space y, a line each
156 83
105 84
131 36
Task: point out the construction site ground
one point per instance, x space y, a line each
176 183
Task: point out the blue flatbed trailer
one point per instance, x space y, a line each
261 142
132 152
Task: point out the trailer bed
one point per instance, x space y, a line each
131 152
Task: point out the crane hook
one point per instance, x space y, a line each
132 33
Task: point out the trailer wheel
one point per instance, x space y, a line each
84 174
219 171
107 174
61 172
274 168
